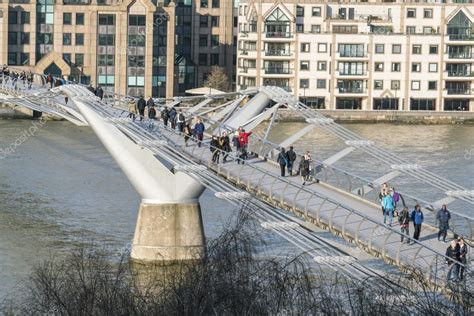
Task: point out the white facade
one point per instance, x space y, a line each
403 56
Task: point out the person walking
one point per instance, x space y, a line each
132 108
290 159
172 117
187 133
282 161
215 150
404 221
141 105
180 120
152 113
235 141
150 103
462 247
165 115
453 254
382 194
443 216
417 219
99 92
225 145
199 131
244 142
304 168
389 206
396 198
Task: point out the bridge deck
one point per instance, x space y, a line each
368 232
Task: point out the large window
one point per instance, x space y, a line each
460 27
456 105
348 103
422 104
385 104
351 68
351 50
277 24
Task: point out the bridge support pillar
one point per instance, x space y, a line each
168 232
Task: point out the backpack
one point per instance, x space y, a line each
152 113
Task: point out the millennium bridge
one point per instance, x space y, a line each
170 176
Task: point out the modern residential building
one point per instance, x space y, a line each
401 55
136 47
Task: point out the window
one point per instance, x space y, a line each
396 67
216 3
105 60
79 39
67 18
202 40
416 49
427 13
316 11
432 85
106 19
428 30
304 65
315 28
304 83
79 18
433 49
378 84
203 21
12 38
395 84
13 19
396 49
67 39
351 50
79 60
299 11
433 67
214 59
214 21
299 28
214 40
305 47
67 58
415 85
379 48
12 58
203 59
411 13
204 4
25 19
322 65
422 104
378 67
321 83
345 29
24 58
411 29
322 47
134 20
24 38
385 104
106 39
415 67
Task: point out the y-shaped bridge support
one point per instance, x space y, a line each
169 225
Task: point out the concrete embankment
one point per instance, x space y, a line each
18 112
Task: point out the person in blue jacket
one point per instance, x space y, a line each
417 219
389 206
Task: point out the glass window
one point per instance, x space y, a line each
315 28
321 83
415 67
427 13
203 59
299 28
316 11
79 39
79 18
411 29
396 67
25 18
385 104
12 58
433 49
304 83
204 4
428 30
79 59
299 11
13 18
67 18
203 21
379 48
12 38
202 40
411 13
214 59
378 67
214 21
415 85
214 40
106 19
24 38
395 84
215 3
322 47
422 104
432 85
106 39
433 67
416 49
378 84
304 65
396 49
322 65
136 20
305 47
24 59
67 58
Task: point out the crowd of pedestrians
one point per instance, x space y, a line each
25 77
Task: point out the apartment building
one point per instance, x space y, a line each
373 55
135 47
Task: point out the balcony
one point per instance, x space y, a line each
460 74
345 54
461 37
460 55
352 73
278 71
352 90
277 53
278 35
459 91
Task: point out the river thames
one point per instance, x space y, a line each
60 188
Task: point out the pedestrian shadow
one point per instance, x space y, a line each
428 237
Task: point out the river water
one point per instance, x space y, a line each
59 187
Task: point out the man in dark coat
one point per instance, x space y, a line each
443 216
290 159
141 105
99 92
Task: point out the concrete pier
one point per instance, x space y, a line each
168 233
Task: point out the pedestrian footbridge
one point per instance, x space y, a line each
166 171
